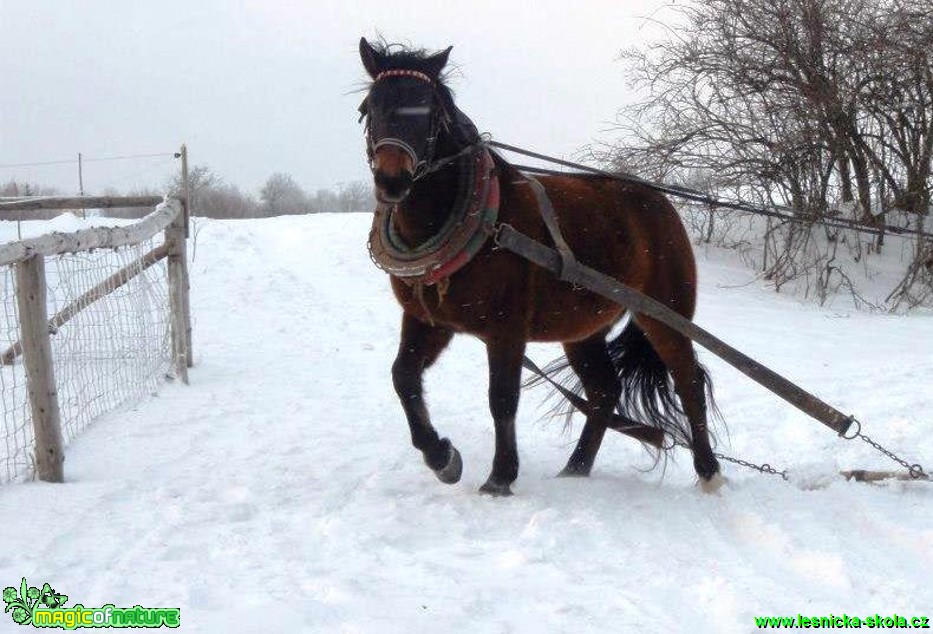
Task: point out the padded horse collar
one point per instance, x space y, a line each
459 240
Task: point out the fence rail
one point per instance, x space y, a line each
27 259
32 203
56 243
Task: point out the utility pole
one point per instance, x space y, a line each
185 186
81 182
186 304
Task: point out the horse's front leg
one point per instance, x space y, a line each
420 346
505 373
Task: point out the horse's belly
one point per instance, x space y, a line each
572 316
546 311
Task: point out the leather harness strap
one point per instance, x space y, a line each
622 424
509 238
546 209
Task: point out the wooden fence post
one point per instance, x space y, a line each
177 293
186 206
40 374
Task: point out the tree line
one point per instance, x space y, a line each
212 197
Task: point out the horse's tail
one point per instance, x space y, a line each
648 394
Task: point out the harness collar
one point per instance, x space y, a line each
476 209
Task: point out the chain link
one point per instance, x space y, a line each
761 468
915 471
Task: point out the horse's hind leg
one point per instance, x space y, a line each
590 360
676 351
420 346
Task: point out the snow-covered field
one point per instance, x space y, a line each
279 492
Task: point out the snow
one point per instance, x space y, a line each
279 491
65 222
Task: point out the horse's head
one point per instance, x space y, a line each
405 111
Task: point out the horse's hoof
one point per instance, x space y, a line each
713 483
451 472
574 470
706 466
495 489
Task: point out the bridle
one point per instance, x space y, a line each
426 164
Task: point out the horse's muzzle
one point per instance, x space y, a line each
394 173
393 189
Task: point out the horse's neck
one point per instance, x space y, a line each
428 206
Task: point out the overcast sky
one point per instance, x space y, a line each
261 86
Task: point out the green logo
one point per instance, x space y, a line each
24 602
46 608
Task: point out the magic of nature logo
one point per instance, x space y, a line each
44 607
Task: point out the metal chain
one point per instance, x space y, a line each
915 471
761 468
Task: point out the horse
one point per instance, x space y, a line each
440 192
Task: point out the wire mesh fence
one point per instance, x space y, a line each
110 336
17 438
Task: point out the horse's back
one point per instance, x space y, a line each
624 230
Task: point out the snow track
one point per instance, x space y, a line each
279 491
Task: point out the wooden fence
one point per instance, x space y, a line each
27 257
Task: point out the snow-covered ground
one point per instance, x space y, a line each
279 492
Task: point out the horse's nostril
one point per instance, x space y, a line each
394 186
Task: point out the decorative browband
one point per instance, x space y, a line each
401 72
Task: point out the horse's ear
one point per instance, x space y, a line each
435 64
372 59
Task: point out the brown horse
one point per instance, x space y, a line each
440 190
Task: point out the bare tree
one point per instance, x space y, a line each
823 105
325 201
355 197
898 99
756 92
282 195
200 181
16 189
